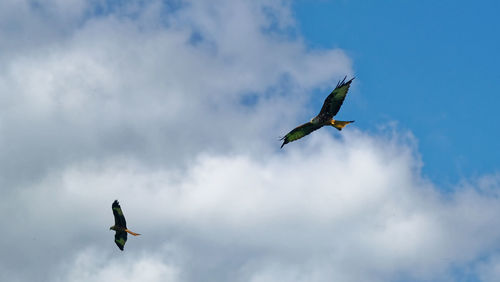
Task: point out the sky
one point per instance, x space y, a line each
430 66
175 108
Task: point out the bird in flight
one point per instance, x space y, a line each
120 226
330 108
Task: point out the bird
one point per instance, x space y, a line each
120 226
330 108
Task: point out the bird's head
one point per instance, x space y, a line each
112 228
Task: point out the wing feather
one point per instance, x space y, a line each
118 214
334 101
120 239
299 132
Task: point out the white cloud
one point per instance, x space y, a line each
89 266
119 85
351 211
143 102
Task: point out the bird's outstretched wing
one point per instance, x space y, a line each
299 132
120 239
334 101
119 218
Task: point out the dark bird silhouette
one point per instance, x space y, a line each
120 226
330 108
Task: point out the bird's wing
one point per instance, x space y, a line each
117 212
299 132
334 101
120 239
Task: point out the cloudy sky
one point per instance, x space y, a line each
175 109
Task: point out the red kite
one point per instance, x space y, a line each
330 108
120 226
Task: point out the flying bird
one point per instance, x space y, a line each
120 226
330 108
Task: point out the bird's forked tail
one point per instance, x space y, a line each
339 124
132 233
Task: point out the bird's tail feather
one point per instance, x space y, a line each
132 233
339 124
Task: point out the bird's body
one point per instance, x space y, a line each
120 226
330 108
123 229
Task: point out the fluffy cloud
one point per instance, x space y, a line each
91 266
351 210
121 85
175 108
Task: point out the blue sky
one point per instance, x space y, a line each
431 66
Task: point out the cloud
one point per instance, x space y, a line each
351 211
174 108
120 85
87 268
